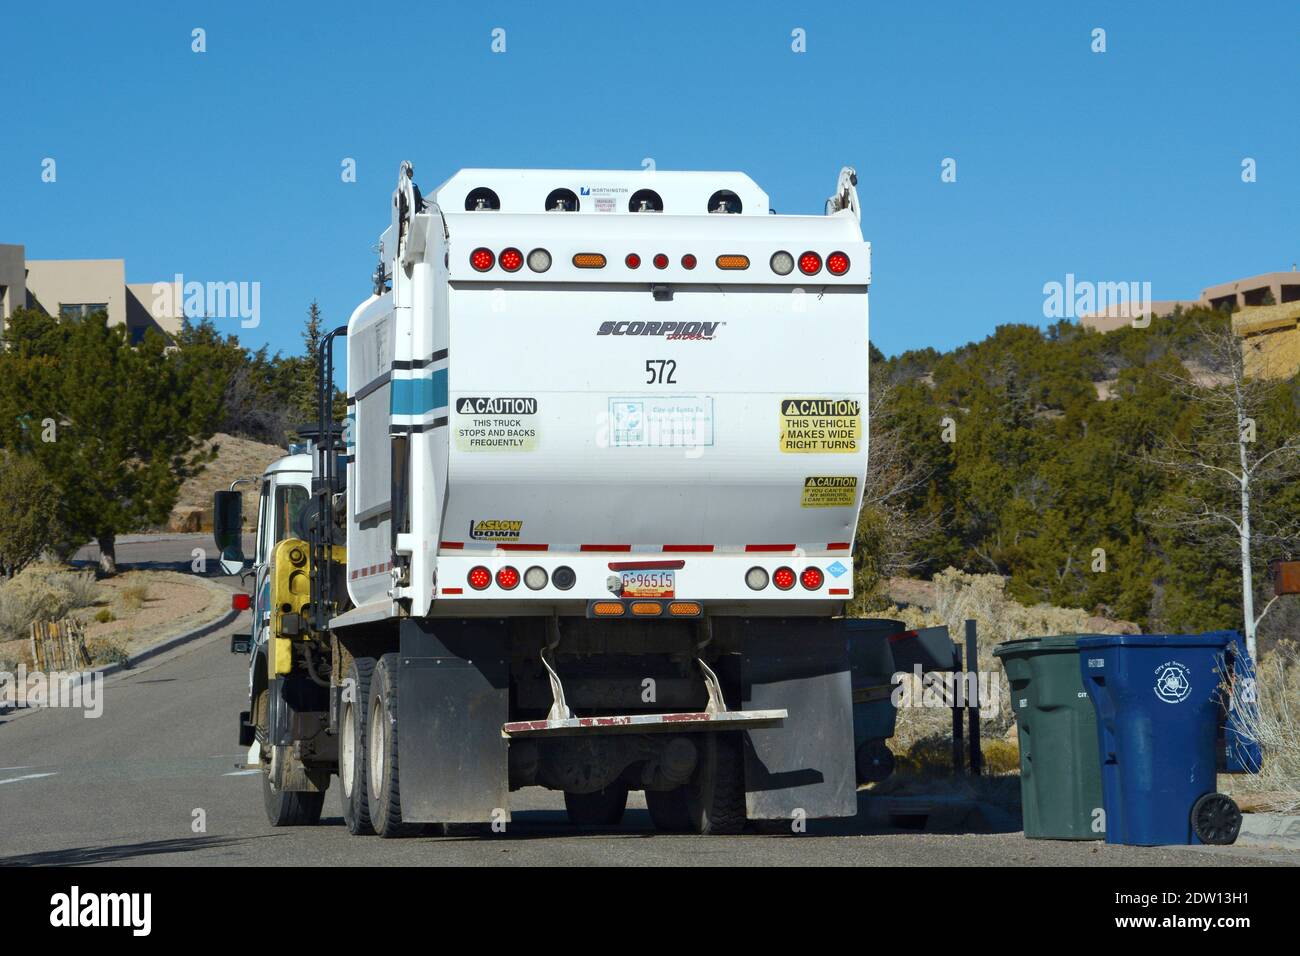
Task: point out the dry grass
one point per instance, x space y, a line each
133 596
105 650
1276 725
957 596
236 458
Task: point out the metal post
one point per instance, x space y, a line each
956 715
972 698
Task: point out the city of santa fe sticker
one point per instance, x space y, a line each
821 426
829 491
1173 682
488 423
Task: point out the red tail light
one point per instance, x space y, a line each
508 578
783 578
241 602
482 259
661 261
837 263
810 263
812 578
479 577
511 260
633 261
688 261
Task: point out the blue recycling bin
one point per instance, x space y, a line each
1159 701
1239 751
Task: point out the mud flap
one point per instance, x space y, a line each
807 765
452 698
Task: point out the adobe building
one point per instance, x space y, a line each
81 287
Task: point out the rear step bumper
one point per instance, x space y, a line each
646 723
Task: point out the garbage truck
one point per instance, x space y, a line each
588 521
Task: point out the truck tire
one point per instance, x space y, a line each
715 796
714 800
668 810
284 808
381 753
604 808
352 749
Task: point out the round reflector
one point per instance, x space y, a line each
837 263
756 578
661 261
688 261
783 578
479 577
633 261
539 260
508 578
511 259
810 263
812 578
782 263
481 259
535 577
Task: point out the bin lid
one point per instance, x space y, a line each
882 624
1029 645
1212 639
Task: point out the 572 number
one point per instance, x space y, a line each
660 372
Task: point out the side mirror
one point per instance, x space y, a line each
228 529
241 643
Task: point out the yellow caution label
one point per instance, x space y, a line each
829 491
821 426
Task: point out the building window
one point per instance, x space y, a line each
79 310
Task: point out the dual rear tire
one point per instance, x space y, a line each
713 802
368 772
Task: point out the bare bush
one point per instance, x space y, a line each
27 598
1275 723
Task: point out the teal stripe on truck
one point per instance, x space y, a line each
415 396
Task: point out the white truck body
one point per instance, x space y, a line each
589 418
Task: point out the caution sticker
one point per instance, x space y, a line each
492 423
821 426
829 491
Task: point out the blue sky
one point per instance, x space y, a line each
1119 166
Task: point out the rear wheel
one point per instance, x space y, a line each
1216 819
713 802
284 808
603 808
352 747
668 810
715 796
381 753
875 761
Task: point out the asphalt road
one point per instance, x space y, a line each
131 786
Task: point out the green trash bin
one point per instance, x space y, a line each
1060 765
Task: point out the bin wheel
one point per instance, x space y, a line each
1216 819
875 761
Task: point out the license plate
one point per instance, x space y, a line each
649 584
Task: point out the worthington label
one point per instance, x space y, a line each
821 426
